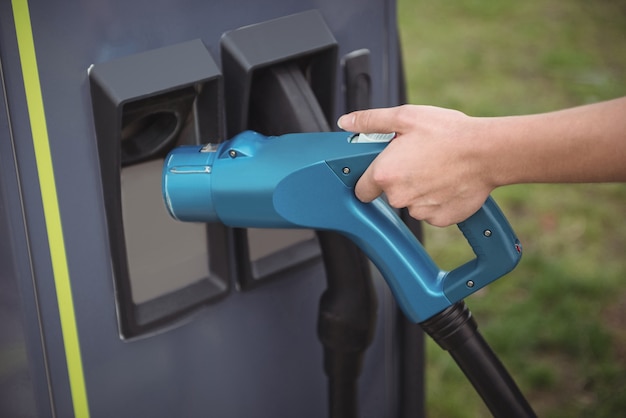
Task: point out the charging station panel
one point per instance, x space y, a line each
110 308
143 106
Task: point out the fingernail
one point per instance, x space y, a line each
346 122
339 121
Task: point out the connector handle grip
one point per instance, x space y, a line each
420 287
497 250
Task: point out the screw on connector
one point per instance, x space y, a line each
487 233
470 283
232 153
346 170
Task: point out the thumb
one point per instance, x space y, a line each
369 121
366 189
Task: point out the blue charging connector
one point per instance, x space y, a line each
307 180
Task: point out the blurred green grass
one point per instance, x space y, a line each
557 321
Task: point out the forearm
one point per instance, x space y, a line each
443 164
582 144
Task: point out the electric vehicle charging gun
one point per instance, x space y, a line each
307 180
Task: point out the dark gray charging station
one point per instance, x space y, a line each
143 106
109 308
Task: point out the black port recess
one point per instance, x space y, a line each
303 40
143 106
279 77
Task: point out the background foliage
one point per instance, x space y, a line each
557 321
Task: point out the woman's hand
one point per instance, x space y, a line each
431 167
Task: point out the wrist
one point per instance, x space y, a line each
509 151
487 151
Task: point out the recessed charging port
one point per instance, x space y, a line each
143 106
302 46
285 87
152 126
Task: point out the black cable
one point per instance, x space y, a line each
455 330
411 395
346 321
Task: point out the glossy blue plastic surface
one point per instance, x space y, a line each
307 181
